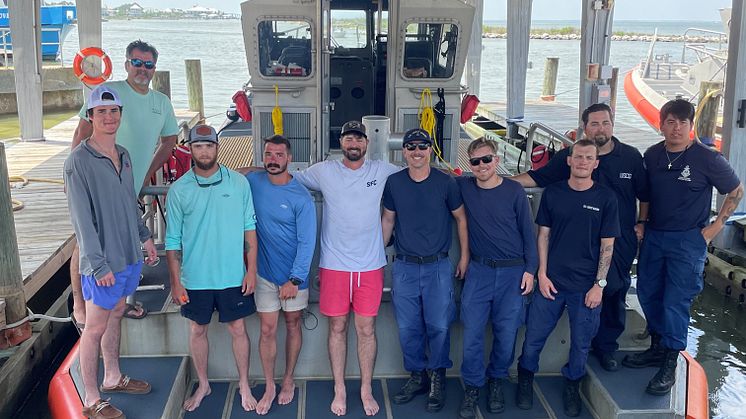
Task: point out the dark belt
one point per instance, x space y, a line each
494 263
422 259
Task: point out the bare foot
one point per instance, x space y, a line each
370 405
191 404
339 404
262 408
287 392
248 402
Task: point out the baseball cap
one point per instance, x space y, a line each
203 133
353 126
416 134
103 95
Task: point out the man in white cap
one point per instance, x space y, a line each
103 208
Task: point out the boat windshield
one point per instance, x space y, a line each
430 50
285 48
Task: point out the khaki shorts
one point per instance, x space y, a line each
267 298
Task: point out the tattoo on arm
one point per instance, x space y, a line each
730 204
246 245
604 260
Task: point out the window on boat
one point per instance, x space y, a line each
349 29
285 48
429 50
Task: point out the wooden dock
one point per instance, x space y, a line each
43 229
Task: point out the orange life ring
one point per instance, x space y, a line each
78 66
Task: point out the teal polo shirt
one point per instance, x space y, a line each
206 219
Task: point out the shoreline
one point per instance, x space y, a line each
628 38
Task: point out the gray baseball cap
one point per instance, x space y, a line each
203 133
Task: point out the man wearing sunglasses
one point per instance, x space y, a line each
621 169
501 272
418 203
211 224
149 118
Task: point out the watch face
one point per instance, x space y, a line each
601 283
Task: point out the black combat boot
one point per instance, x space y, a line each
524 398
652 357
571 398
417 384
666 376
496 399
469 403
436 399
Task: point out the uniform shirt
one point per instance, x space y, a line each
500 224
145 118
577 221
681 197
423 212
103 210
207 224
285 228
351 238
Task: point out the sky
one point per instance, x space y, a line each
542 9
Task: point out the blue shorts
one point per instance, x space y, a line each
230 304
125 284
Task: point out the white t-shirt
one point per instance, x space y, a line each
351 235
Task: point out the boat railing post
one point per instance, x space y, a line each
194 87
11 279
548 91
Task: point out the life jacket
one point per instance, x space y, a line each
243 108
179 163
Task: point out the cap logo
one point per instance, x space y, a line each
203 130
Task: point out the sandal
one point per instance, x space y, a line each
131 311
78 326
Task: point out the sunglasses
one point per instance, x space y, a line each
413 146
139 63
207 185
484 159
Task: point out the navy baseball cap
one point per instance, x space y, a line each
353 126
416 134
203 133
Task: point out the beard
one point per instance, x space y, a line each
601 140
348 153
142 78
282 169
206 165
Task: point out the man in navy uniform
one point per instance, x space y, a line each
578 221
621 169
681 173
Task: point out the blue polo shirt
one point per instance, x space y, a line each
681 197
499 219
577 221
423 212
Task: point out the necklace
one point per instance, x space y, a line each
671 162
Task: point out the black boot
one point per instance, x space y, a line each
436 399
652 357
571 398
469 403
664 379
496 399
417 384
524 397
607 361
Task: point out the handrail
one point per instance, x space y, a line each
7 45
721 37
553 133
646 69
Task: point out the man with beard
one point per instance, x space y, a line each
352 255
621 169
418 203
210 225
286 231
149 117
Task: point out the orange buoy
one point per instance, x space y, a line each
78 66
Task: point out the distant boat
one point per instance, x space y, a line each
56 22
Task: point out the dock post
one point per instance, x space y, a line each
27 67
162 82
708 115
194 86
613 82
548 92
11 279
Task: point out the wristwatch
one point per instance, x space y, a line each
295 281
601 282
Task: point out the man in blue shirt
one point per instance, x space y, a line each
501 272
578 221
210 224
418 203
621 169
681 173
286 231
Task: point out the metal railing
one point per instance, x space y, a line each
553 134
7 45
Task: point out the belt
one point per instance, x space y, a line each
422 259
494 263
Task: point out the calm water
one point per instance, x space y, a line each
717 338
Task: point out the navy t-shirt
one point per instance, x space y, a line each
423 212
500 224
681 198
577 221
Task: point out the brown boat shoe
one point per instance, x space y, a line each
128 385
102 409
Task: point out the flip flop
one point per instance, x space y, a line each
131 310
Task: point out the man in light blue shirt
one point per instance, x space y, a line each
286 231
210 223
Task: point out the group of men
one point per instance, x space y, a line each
230 235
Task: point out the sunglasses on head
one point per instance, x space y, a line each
484 159
413 146
139 63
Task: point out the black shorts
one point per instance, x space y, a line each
230 303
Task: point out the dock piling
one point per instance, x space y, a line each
194 86
613 82
548 92
708 115
162 83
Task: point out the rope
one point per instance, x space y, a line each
701 105
277 113
19 205
426 115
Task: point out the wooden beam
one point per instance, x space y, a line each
89 30
25 25
194 86
519 30
162 82
474 56
11 280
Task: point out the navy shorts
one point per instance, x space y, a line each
230 304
